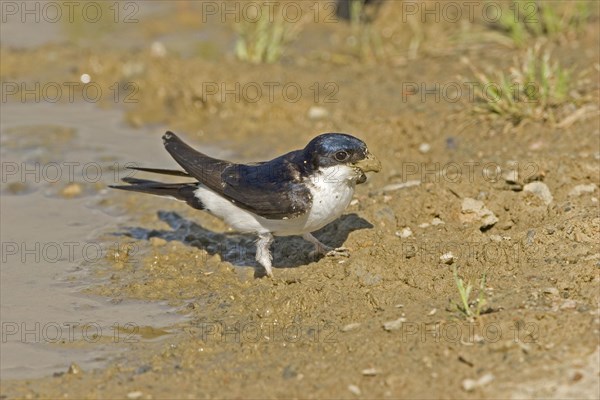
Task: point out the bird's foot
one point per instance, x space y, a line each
338 252
326 251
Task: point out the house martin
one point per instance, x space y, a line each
294 194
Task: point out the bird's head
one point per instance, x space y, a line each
349 154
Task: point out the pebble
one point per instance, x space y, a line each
158 49
134 395
496 238
403 185
551 290
369 372
541 190
157 242
511 176
394 325
474 210
424 148
447 258
581 189
351 327
316 112
72 190
436 221
74 369
424 225
568 304
404 233
471 384
354 389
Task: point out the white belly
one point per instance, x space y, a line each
331 192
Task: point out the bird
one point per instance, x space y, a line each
296 193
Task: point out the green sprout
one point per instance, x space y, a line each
465 306
526 19
263 39
534 88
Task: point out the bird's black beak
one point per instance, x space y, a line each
369 164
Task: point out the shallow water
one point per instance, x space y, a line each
49 245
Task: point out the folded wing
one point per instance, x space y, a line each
273 189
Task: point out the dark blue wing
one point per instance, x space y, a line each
273 189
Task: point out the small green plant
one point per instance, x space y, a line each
527 18
466 307
366 39
262 38
535 88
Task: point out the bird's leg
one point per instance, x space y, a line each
263 253
323 249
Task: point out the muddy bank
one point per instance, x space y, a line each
516 202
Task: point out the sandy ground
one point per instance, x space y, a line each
382 323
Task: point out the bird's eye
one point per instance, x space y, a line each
341 156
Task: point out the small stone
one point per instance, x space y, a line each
369 372
551 290
496 238
432 312
316 112
354 202
436 221
158 49
471 384
447 258
568 304
424 148
74 369
424 225
475 211
581 189
354 390
541 190
511 176
351 327
157 242
403 185
404 233
134 395
72 190
394 325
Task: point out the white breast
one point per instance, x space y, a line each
331 191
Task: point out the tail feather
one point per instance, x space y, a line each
179 191
162 171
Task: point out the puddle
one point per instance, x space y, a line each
49 244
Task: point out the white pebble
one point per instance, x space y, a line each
134 395
394 325
316 112
541 190
354 389
404 233
369 372
85 78
447 258
437 221
424 148
581 189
